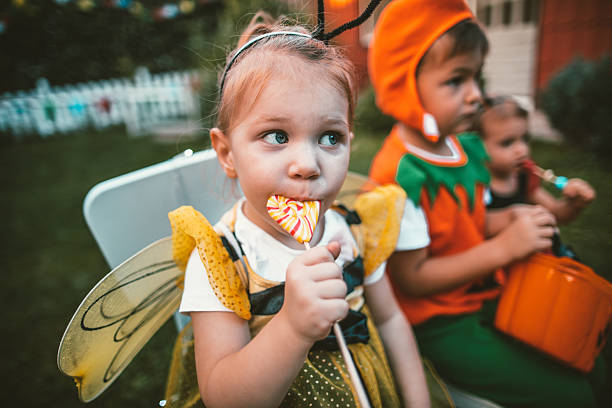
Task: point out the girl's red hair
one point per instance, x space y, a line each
251 71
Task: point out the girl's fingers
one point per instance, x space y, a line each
334 248
319 255
324 271
336 309
331 289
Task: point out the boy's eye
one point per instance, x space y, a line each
329 139
507 142
276 137
456 81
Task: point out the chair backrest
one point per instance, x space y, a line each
129 212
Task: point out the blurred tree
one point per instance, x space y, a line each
62 42
577 102
369 117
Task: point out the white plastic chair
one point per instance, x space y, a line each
129 212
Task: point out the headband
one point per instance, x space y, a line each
249 44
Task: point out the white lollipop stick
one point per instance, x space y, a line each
299 219
549 176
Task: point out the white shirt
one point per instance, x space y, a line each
269 258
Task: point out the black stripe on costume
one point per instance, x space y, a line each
230 250
269 301
352 274
354 328
351 217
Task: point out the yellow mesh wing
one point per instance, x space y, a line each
380 211
118 317
189 229
182 384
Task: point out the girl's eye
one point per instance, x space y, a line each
276 137
329 139
507 142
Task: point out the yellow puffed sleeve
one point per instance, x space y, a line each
381 211
189 229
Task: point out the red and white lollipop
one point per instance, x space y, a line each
296 217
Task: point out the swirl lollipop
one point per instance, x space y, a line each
300 219
296 217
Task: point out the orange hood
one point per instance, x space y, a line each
405 30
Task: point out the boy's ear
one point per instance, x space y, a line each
220 142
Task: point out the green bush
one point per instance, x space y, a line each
578 104
369 117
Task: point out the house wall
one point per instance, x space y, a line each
354 41
571 28
511 27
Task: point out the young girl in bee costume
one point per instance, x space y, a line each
261 306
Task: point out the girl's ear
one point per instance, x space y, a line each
220 142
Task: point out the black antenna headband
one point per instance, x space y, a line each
319 34
249 44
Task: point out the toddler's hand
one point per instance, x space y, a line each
579 192
530 231
314 293
518 210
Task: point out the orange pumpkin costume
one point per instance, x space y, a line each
451 195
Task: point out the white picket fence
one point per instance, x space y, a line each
139 104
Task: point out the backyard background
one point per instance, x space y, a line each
50 260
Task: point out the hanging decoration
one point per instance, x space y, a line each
164 11
104 105
77 108
49 109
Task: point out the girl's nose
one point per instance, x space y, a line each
522 149
304 163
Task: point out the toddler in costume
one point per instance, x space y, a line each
424 63
261 305
502 126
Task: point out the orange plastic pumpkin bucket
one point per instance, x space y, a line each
558 306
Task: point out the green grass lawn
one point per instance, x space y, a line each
50 260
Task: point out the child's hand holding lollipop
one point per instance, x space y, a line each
579 192
314 287
315 292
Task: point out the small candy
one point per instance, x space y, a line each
549 176
561 182
296 217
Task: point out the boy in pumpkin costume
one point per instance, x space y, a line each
424 62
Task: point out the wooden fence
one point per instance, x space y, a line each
139 104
